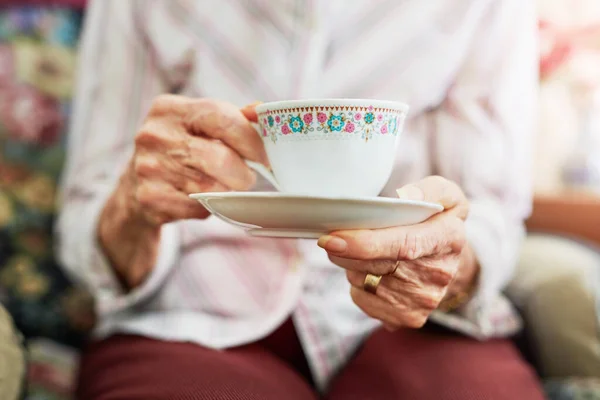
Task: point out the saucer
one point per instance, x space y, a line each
277 214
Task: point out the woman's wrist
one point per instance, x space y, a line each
129 242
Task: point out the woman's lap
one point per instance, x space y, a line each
132 367
435 364
402 365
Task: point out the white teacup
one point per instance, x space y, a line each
331 147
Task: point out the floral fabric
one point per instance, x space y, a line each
37 67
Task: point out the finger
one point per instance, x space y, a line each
436 189
402 294
163 146
407 273
170 105
225 122
391 316
165 204
249 111
375 307
219 161
439 235
189 180
376 267
220 120
151 166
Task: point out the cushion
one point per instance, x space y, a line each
557 286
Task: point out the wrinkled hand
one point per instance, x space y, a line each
184 146
191 146
418 263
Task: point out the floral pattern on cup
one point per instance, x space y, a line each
363 122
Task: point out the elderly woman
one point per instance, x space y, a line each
191 308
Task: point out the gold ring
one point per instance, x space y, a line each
371 283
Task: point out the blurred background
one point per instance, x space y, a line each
38 53
567 141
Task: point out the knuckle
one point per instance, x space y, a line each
441 276
193 154
216 120
145 196
160 219
209 116
223 157
407 246
162 104
458 244
190 186
429 302
147 136
145 166
210 113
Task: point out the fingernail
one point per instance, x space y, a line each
410 192
333 244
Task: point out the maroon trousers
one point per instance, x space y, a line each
408 364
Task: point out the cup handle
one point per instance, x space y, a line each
264 172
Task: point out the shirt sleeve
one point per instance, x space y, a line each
117 80
483 140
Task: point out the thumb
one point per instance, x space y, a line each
410 192
435 189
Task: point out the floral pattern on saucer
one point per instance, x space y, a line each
341 121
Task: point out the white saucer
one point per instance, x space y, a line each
293 216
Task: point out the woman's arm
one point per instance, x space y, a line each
483 137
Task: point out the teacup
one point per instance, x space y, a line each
331 147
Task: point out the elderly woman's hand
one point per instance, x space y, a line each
420 265
184 146
190 146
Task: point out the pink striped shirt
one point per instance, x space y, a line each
468 69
